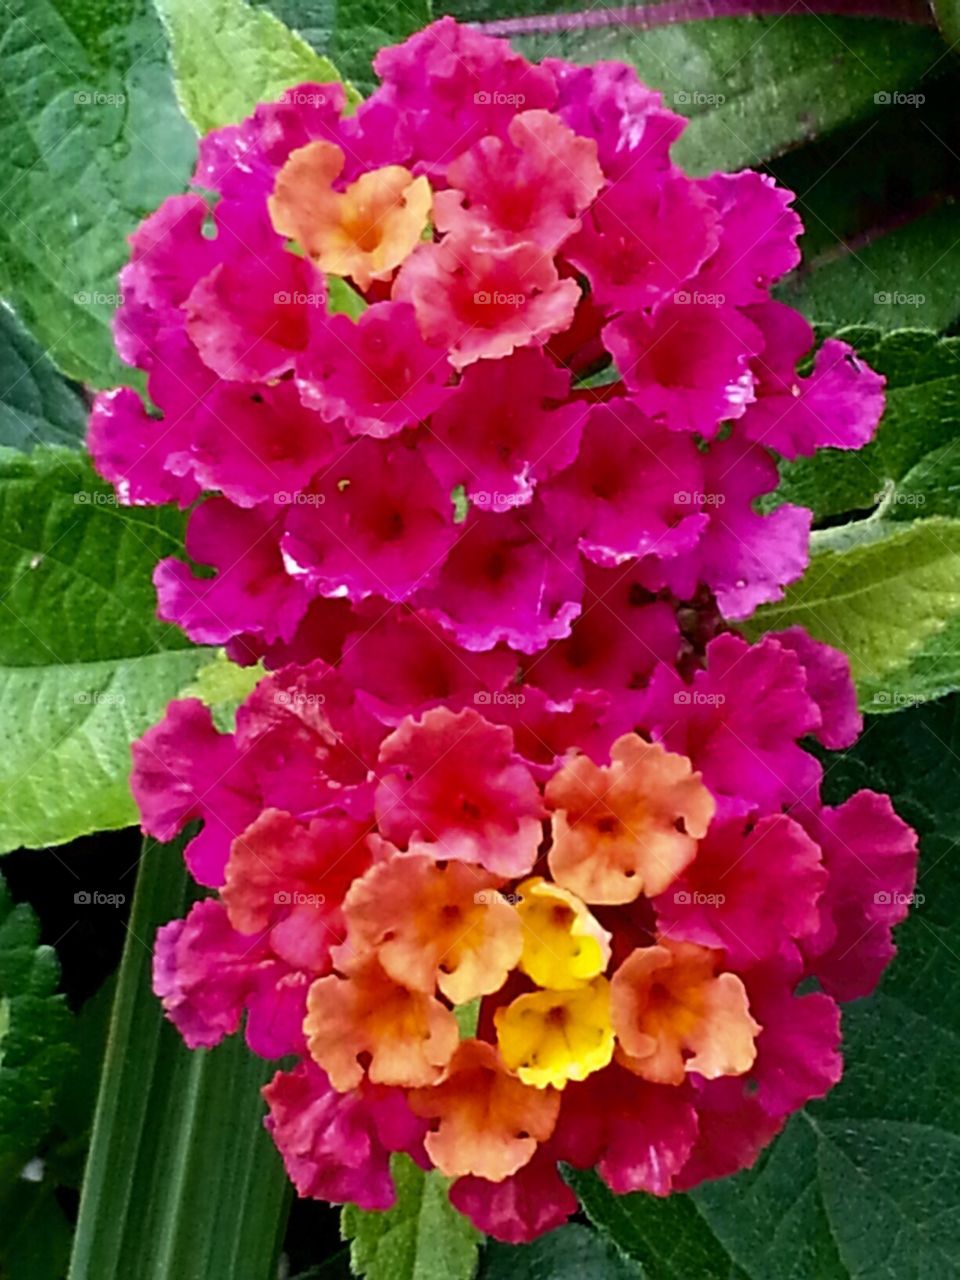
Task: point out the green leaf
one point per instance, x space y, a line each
36 405
182 1179
570 1253
421 1238
351 32
342 299
85 667
753 87
889 597
865 1183
884 588
666 1236
878 201
223 686
903 465
227 57
35 1048
35 1243
363 27
91 140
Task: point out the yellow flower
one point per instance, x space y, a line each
550 1037
563 945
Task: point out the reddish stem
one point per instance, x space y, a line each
644 17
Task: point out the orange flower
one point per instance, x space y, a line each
409 1036
629 827
364 231
489 1124
433 925
672 1014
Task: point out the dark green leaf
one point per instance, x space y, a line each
921 418
878 201
36 405
181 1181
570 1253
35 1048
35 1242
752 86
667 1236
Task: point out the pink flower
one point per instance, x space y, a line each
376 373
751 887
250 585
628 494
184 770
505 428
372 524
449 86
870 854
452 786
689 367
485 298
484 538
757 238
506 581
531 185
207 975
838 404
739 721
337 1146
129 448
642 238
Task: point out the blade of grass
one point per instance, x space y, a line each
181 1179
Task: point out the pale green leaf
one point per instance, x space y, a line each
889 597
85 667
223 685
227 57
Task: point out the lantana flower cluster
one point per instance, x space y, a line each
514 229
518 849
501 934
